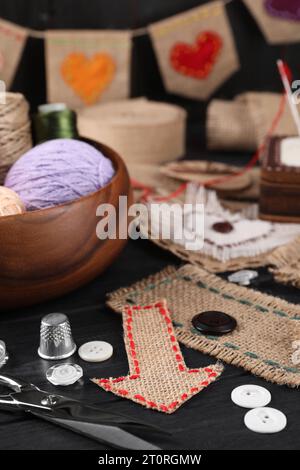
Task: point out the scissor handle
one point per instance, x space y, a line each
13 384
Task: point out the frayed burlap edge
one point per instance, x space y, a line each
210 264
285 263
117 299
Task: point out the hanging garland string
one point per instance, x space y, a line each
33 33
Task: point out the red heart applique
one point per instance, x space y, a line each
197 60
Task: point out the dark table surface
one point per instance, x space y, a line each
208 421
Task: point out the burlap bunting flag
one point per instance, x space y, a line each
87 67
12 41
279 20
195 50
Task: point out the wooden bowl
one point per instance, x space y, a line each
49 252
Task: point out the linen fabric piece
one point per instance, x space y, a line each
266 329
12 42
87 67
248 245
158 377
195 50
276 29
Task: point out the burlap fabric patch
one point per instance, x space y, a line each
267 326
158 377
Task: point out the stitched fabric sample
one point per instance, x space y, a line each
267 326
158 377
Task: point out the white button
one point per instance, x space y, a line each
250 396
95 351
265 420
64 374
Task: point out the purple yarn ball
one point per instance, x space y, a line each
58 171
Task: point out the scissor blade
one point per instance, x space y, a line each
114 436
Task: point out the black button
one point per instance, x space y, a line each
222 227
214 323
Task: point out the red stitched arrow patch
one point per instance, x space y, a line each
158 377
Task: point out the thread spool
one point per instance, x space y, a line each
54 121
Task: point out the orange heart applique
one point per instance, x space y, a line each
88 77
197 60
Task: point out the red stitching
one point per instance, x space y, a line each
164 408
139 397
152 404
174 404
119 379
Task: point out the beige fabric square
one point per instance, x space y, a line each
276 30
193 63
87 67
12 42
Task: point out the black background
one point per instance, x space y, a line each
210 420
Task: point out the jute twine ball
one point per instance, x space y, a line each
15 131
10 202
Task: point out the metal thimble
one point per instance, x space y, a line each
56 341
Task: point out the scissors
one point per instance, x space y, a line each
116 430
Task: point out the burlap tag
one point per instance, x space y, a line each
86 67
158 377
169 35
275 29
267 326
12 42
285 262
243 123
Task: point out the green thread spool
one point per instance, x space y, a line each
55 121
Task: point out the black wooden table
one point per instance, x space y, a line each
208 421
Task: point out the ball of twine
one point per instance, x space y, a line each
15 131
10 202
